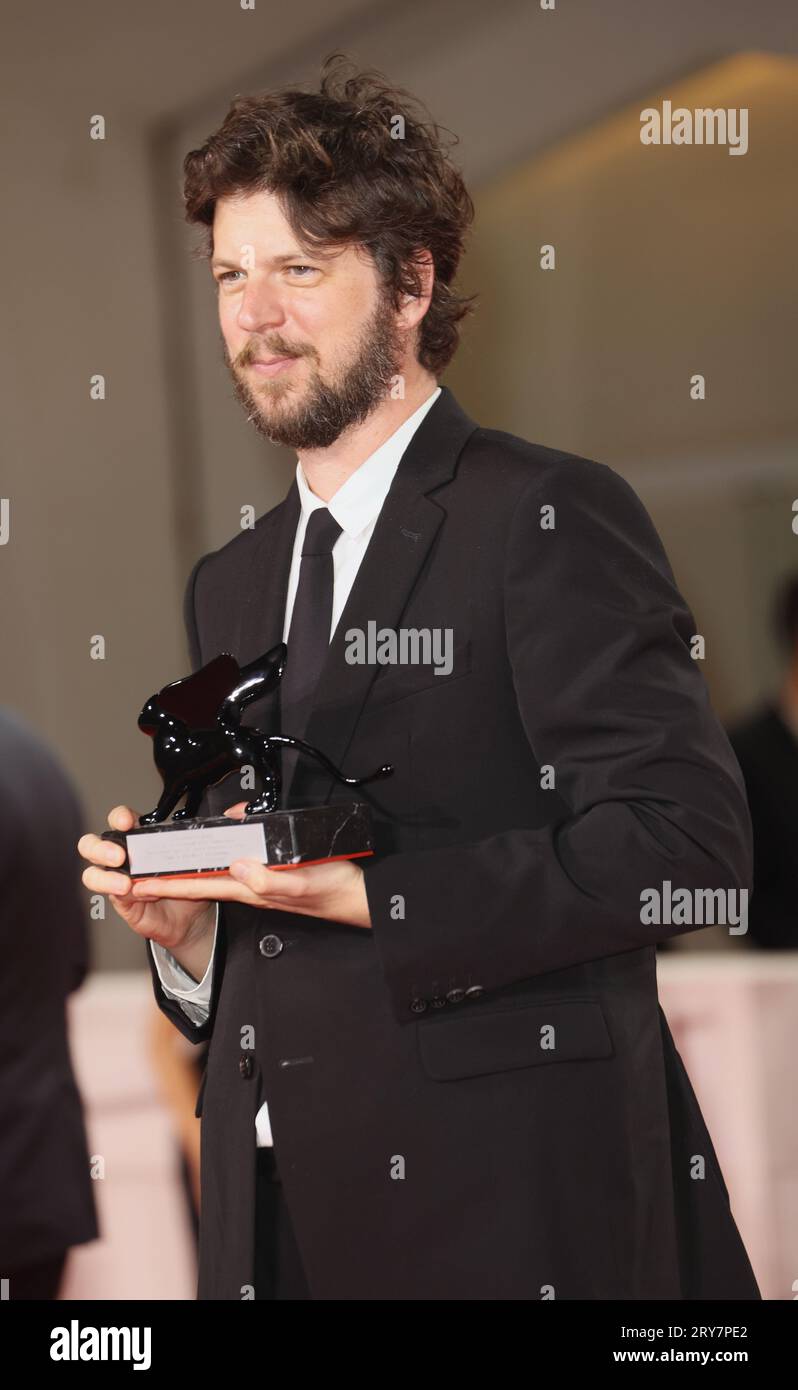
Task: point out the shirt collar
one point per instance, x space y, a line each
358 501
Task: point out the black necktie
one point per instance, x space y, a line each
309 634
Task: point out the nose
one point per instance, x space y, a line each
260 308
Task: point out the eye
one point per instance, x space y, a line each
311 269
225 276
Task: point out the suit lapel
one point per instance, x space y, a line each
404 532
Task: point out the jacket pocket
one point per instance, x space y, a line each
481 1040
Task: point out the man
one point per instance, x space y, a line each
766 745
47 1203
455 1047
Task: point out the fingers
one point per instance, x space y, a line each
186 889
168 889
266 889
263 881
104 855
99 880
99 851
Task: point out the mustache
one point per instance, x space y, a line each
253 351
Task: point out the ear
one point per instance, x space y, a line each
414 307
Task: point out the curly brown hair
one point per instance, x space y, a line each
354 163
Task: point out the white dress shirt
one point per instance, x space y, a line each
355 506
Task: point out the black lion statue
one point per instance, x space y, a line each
198 737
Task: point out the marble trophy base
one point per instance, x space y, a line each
282 839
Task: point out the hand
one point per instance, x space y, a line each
335 891
169 923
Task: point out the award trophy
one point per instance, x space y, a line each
198 740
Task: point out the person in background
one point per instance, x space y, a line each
766 746
46 1196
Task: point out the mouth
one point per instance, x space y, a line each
271 366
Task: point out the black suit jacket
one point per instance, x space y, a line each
46 1191
480 1097
767 752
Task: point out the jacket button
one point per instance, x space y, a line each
455 995
418 1006
270 946
474 991
245 1067
437 1002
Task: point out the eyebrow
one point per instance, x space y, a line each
301 256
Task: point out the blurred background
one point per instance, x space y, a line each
671 261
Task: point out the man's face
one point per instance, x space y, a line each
327 317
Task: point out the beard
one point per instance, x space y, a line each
324 409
